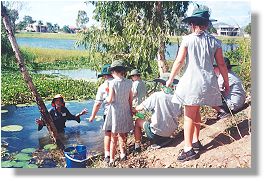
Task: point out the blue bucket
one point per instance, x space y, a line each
75 157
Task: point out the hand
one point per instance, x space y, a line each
168 82
227 88
134 111
39 122
84 111
90 119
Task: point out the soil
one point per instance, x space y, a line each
227 144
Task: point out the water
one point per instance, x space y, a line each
88 134
49 43
77 74
171 49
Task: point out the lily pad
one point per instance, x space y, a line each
50 147
6 164
4 111
99 118
19 164
12 128
30 166
22 157
28 150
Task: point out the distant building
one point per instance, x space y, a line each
227 30
36 28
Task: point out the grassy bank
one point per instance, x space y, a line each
15 91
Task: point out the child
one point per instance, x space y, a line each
164 119
138 87
60 114
119 116
102 94
236 97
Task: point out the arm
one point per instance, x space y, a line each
110 98
177 64
222 68
96 108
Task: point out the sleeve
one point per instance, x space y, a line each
70 116
100 94
218 43
184 42
150 103
135 87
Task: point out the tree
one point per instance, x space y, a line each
82 19
133 30
20 61
248 29
66 29
28 20
50 27
56 27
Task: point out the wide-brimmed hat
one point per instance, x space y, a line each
58 96
163 79
117 63
105 71
200 13
134 72
227 62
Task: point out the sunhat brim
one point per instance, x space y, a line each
192 18
163 82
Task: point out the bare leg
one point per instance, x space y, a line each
197 126
122 143
107 141
217 108
138 127
113 144
190 113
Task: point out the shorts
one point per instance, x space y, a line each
104 120
153 137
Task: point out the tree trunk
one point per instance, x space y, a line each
161 52
20 61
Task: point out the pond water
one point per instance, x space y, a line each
171 49
77 74
88 134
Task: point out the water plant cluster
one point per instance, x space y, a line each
15 91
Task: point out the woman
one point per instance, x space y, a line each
198 85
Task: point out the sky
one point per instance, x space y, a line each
64 12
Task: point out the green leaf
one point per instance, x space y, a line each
19 164
3 111
22 157
6 164
30 166
50 147
28 150
12 128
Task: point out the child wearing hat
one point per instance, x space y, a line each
102 94
119 116
139 89
164 119
235 99
198 85
60 114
